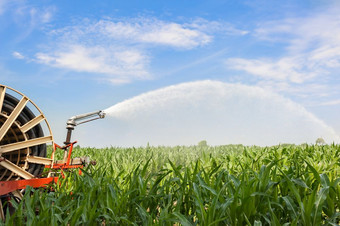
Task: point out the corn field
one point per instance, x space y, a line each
196 185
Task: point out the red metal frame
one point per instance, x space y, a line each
65 165
10 186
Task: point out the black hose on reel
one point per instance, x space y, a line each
25 116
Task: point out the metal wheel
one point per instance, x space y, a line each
22 139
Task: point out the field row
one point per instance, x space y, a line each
197 185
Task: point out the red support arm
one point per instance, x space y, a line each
10 186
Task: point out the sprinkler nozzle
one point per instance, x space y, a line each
101 114
80 119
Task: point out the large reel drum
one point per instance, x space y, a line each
22 139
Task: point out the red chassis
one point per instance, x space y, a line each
67 163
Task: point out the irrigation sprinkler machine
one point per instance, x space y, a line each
24 136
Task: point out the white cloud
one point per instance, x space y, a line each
317 34
32 17
216 27
311 54
119 51
285 69
175 35
302 33
310 91
148 31
120 65
187 35
18 55
24 18
331 103
47 15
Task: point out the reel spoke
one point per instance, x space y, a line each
24 144
21 136
15 169
13 116
2 96
2 214
32 123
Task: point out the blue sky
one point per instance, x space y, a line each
78 56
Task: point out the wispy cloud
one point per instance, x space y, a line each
37 16
22 13
24 18
3 6
122 65
153 31
33 17
311 54
18 55
8 5
143 31
302 33
331 103
216 27
120 50
291 69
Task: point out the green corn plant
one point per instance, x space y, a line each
192 185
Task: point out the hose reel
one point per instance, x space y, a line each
24 135
22 138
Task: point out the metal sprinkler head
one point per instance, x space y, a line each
101 114
80 119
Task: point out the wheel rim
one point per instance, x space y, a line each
21 136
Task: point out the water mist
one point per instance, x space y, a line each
218 112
